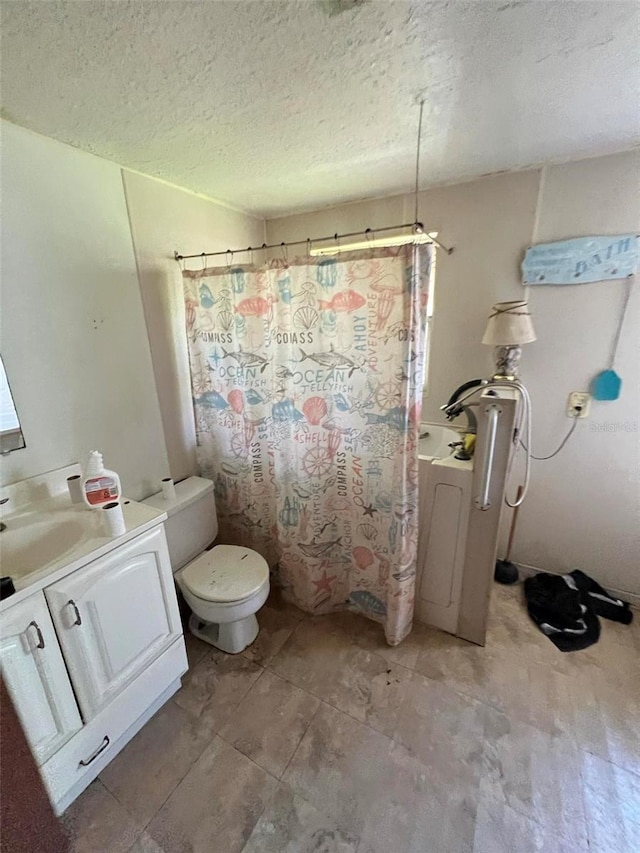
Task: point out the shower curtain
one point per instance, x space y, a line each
307 380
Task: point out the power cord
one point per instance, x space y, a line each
555 452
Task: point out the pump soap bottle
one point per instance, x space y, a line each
99 485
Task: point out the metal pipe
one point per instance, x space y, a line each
415 198
417 226
487 385
493 412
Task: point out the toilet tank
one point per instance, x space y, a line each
192 523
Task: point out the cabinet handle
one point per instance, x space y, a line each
105 743
78 619
35 625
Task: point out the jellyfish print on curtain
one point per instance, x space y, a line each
307 383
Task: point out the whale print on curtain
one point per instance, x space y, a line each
307 384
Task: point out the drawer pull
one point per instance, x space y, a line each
105 743
78 619
40 644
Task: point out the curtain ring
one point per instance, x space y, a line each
204 261
369 234
228 259
264 249
308 247
285 253
250 250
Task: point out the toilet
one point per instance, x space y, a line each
224 587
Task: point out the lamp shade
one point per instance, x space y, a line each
509 325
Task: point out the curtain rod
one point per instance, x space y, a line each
418 226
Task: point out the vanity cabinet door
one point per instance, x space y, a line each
34 671
114 617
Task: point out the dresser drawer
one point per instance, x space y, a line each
86 754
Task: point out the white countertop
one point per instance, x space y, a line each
91 545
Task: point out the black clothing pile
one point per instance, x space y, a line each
566 608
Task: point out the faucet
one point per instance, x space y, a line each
452 408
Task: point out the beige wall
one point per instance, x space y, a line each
584 506
91 363
583 509
163 219
73 335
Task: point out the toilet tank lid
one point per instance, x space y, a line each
187 492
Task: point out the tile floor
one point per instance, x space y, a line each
321 738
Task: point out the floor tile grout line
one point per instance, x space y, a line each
583 789
216 734
583 799
377 654
515 649
180 780
248 757
355 720
304 734
264 770
231 746
487 704
219 733
533 817
391 741
297 687
266 661
323 812
296 792
634 773
393 738
408 669
122 805
235 705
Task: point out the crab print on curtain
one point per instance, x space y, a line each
307 381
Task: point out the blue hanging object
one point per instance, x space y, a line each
607 384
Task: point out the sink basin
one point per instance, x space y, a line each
434 441
32 541
46 536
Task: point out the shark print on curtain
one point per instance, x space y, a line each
307 384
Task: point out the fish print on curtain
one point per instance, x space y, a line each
307 384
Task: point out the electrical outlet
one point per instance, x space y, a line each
579 404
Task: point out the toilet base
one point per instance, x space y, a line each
230 637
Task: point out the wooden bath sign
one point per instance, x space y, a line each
581 260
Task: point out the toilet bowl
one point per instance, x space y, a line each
225 586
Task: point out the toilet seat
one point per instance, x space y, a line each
226 574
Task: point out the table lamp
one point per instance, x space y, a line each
509 327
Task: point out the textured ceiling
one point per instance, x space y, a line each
278 106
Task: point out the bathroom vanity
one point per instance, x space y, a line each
91 642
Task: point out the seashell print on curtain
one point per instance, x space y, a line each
307 380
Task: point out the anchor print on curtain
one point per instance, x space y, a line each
307 386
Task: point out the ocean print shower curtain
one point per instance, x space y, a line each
307 383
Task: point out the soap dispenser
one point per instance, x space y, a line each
99 485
